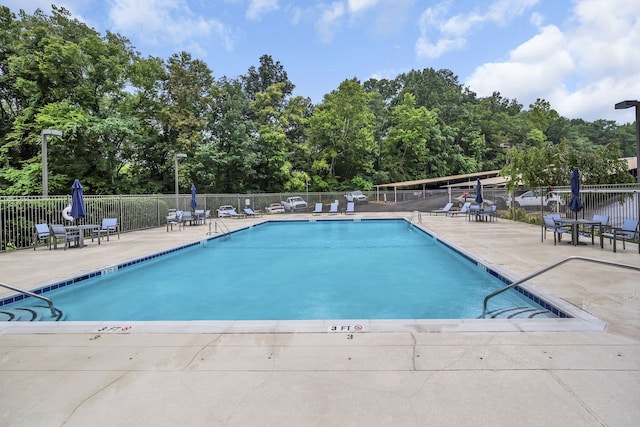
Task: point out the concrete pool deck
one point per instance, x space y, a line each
429 376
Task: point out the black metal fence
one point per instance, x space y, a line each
19 215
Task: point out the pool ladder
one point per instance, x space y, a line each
550 267
417 215
223 228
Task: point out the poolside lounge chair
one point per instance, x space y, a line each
318 209
551 225
57 231
233 214
42 233
333 209
251 213
351 208
444 210
628 231
109 226
464 210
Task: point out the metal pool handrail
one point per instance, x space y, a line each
550 267
414 215
54 311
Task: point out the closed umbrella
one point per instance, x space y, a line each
479 199
575 204
194 202
78 209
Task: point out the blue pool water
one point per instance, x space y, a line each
372 269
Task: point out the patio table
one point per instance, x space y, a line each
82 229
574 228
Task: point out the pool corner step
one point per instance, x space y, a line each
30 314
519 313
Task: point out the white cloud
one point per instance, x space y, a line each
329 22
582 69
356 6
427 49
166 22
450 33
257 8
534 67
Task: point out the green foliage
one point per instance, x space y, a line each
552 165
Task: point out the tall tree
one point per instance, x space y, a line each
267 74
341 135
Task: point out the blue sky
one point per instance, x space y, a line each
582 56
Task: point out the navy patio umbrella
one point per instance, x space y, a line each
78 209
575 204
479 199
194 202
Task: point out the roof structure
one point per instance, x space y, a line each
451 179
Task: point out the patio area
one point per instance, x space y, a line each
78 375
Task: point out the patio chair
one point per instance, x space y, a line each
444 210
251 213
109 226
464 210
318 209
42 233
489 213
589 230
187 216
551 225
174 218
57 231
199 216
351 208
628 231
333 209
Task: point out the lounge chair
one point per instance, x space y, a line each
628 231
333 209
42 233
57 231
551 225
444 210
109 226
318 209
234 214
351 208
464 210
251 213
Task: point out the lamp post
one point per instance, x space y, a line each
175 158
45 170
628 104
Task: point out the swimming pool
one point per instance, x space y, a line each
301 270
